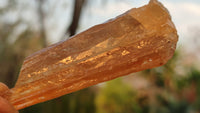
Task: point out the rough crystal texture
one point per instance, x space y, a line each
139 39
4 91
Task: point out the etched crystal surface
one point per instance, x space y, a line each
139 39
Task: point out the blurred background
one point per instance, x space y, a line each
26 26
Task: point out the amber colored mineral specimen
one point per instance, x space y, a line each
142 38
4 91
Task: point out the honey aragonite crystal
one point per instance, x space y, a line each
142 38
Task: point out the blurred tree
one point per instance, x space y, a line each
14 45
28 41
78 6
168 90
41 16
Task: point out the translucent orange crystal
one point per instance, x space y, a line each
139 39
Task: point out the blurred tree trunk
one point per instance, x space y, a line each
78 5
41 16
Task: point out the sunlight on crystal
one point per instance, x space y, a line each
66 60
125 52
29 75
132 42
39 72
84 55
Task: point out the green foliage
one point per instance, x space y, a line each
117 97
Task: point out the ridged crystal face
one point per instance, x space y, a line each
4 91
139 39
